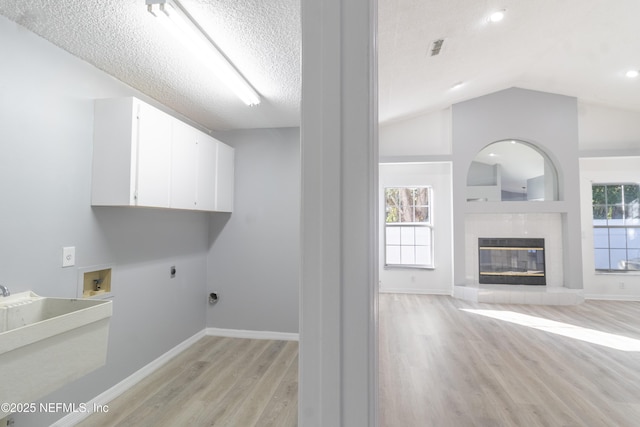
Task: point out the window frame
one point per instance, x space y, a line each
627 223
413 224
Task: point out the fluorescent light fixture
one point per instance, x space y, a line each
632 74
170 14
497 16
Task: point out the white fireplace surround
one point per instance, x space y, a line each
517 225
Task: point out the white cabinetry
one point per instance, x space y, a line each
184 176
224 178
145 157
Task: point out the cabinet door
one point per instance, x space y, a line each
207 173
153 157
184 161
224 178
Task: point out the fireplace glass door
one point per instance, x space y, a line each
511 261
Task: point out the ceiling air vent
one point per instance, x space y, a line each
436 46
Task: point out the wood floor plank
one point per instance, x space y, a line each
473 370
439 366
212 378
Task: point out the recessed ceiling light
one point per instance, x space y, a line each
457 85
497 16
632 74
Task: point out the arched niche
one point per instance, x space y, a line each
511 170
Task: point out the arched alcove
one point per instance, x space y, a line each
511 170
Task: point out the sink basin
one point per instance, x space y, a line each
46 343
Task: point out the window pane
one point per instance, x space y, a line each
422 196
599 212
423 255
618 258
632 213
601 237
423 236
618 238
407 236
633 238
422 213
391 204
393 254
631 192
393 235
406 205
598 194
602 259
614 194
634 256
408 254
616 213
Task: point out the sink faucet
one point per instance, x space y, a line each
5 291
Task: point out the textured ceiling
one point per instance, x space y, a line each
261 38
579 48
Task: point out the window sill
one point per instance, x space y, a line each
409 267
618 273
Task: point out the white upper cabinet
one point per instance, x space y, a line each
145 157
184 175
153 157
224 182
207 173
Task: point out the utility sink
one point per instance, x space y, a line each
46 343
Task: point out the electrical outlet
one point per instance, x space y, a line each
620 285
68 256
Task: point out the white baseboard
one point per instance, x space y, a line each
124 385
416 291
260 335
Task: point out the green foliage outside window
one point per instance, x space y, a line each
407 204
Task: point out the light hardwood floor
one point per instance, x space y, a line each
216 382
441 366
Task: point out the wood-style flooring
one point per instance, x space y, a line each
216 382
442 366
439 366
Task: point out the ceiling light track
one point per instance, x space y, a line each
171 14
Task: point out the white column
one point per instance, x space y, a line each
338 331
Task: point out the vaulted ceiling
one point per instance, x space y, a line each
579 48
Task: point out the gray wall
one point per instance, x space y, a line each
46 126
254 262
546 120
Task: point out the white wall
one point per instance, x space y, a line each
428 134
46 133
605 129
624 286
254 262
421 281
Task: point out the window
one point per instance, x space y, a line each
408 227
616 226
